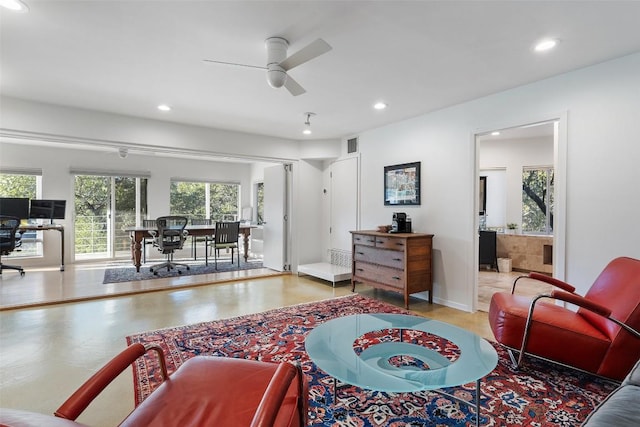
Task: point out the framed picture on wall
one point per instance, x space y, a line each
482 195
402 184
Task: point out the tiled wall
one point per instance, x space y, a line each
529 253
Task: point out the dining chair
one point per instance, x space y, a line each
225 237
198 239
147 223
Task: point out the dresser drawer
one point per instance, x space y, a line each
365 240
392 243
378 256
378 273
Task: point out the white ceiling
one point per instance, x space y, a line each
418 56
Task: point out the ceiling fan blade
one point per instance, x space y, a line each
233 63
293 87
307 53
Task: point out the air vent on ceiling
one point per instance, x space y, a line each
352 145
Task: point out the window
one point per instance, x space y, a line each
104 207
218 201
188 199
537 200
27 185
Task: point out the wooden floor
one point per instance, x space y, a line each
47 351
82 282
490 282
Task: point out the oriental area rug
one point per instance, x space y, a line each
539 394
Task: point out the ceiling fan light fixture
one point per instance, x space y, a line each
278 63
15 5
276 76
307 131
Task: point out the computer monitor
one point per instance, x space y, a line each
47 209
40 209
14 206
59 207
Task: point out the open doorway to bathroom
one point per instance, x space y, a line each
517 175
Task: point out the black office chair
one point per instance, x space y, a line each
225 237
147 223
169 237
197 239
9 240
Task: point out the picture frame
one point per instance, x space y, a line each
482 195
402 184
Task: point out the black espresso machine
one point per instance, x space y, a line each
400 223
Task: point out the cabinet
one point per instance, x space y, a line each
398 262
487 243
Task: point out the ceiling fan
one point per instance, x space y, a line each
278 63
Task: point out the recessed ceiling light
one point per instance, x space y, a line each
307 131
546 44
14 5
164 107
379 105
496 133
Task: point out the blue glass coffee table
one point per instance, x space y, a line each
331 347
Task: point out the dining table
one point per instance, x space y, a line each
136 235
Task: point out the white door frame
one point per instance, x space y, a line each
560 142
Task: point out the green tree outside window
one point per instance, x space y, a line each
537 200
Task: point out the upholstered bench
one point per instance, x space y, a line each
622 407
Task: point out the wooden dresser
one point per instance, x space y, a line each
399 262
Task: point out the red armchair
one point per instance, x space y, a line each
600 337
204 391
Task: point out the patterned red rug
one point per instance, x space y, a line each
540 394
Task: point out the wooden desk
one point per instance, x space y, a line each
138 233
56 227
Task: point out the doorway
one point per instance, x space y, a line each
523 168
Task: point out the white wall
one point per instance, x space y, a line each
320 149
511 156
603 196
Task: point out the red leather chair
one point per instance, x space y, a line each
601 337
204 391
